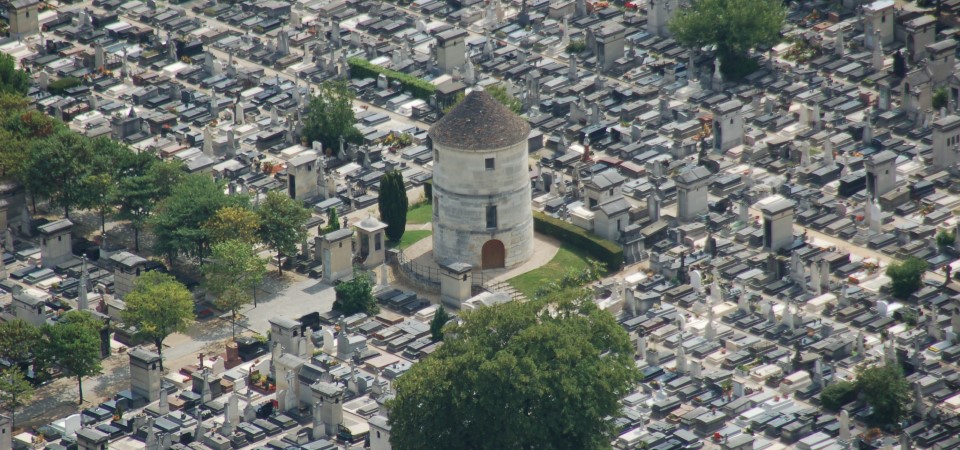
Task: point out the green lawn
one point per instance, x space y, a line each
422 213
566 258
410 237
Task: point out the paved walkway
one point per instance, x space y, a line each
544 249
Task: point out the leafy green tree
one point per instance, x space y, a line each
576 46
393 204
19 341
282 224
945 238
734 27
500 94
178 220
234 272
330 117
75 345
12 80
886 391
834 396
554 369
56 167
333 220
940 98
440 318
906 277
159 306
234 223
356 295
102 189
15 392
141 187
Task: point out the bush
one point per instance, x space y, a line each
60 86
576 46
906 277
361 68
607 252
836 395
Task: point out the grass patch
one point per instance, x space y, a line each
422 213
409 238
566 259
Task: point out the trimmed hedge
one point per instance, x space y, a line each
428 190
607 252
361 68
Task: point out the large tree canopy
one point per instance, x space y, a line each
732 26
886 390
282 224
906 277
545 374
179 219
159 306
12 80
330 117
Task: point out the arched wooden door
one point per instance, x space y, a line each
493 254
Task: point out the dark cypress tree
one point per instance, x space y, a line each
393 204
899 65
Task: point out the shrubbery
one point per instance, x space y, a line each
607 252
419 88
60 86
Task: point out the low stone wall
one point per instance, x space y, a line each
420 277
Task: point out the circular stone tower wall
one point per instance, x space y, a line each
481 186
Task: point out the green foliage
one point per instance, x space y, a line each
333 220
178 220
733 26
440 318
603 250
886 390
393 204
500 94
576 46
234 223
15 392
906 277
158 306
940 98
234 272
59 87
75 345
282 224
428 190
56 168
899 64
330 117
361 68
573 278
12 80
554 369
142 187
834 396
945 238
19 341
356 295
456 101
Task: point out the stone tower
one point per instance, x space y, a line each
481 185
